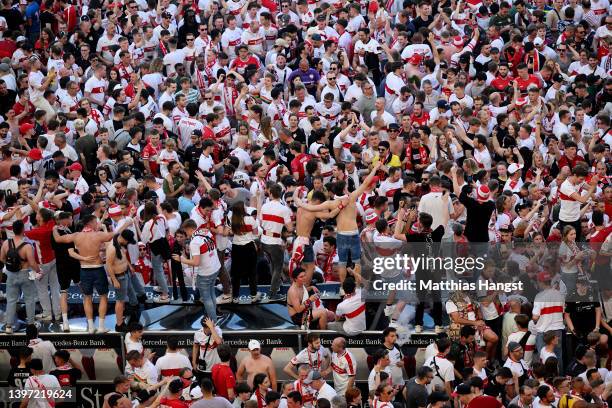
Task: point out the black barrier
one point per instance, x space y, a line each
66 341
268 339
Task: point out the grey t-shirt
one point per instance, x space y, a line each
242 194
416 393
215 402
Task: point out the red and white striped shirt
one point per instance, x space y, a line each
344 366
353 309
274 216
549 305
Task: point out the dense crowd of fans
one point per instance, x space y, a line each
208 144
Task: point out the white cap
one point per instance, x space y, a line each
513 168
20 38
196 393
538 41
254 344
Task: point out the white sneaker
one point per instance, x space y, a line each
159 299
8 329
389 309
418 328
439 329
256 298
102 330
223 299
91 330
156 289
66 327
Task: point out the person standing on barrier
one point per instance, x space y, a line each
68 268
204 259
21 270
117 266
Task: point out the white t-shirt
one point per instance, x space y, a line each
170 364
211 357
443 373
41 382
529 346
203 244
35 80
570 208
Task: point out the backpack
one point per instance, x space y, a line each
13 260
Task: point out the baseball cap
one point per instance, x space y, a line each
196 393
458 41
20 38
513 168
26 127
75 167
312 376
557 78
254 345
281 42
128 235
394 126
35 154
538 41
415 59
442 104
166 15
464 389
513 346
316 37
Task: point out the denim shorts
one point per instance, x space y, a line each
348 245
94 278
121 294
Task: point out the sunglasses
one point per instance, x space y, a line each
332 78
190 39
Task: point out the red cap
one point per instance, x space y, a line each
373 6
35 154
26 127
483 192
75 167
458 41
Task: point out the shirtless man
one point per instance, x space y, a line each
87 250
256 363
302 248
302 300
347 238
117 266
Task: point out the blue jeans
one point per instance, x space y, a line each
18 283
348 244
157 263
135 288
206 287
558 348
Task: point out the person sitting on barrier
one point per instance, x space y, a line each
256 363
118 271
314 355
171 363
304 304
243 394
352 310
133 340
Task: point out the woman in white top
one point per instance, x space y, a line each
244 251
154 233
570 257
173 218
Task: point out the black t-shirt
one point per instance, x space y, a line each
419 23
284 154
192 156
416 394
7 101
67 377
18 376
581 309
13 18
61 252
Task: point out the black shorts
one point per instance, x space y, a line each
67 274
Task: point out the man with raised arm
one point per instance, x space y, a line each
93 275
347 238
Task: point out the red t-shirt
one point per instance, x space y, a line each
223 379
484 401
298 165
18 108
523 84
148 152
